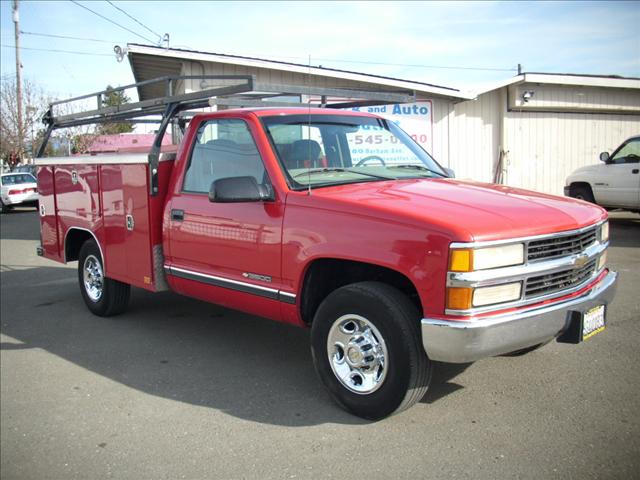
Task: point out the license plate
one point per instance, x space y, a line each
593 322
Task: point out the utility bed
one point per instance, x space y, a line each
106 196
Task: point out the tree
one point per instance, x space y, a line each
114 98
70 140
35 104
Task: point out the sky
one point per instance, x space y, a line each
455 44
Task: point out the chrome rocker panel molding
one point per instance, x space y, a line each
236 285
469 340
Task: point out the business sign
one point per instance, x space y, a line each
414 118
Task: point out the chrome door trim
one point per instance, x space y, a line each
230 284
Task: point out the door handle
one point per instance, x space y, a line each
635 170
177 215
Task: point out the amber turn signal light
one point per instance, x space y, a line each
461 261
459 298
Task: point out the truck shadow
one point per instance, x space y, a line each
441 384
624 229
178 348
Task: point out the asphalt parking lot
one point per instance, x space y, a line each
177 388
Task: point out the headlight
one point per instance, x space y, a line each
602 261
467 260
496 294
463 298
604 232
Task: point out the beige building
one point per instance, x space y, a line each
529 131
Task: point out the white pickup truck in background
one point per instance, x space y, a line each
613 184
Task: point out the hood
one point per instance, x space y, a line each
465 210
588 169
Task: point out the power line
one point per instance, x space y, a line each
490 69
111 21
67 37
411 65
266 56
133 18
61 51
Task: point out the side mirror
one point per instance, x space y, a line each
604 157
450 173
238 189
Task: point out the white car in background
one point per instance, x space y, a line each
17 189
613 184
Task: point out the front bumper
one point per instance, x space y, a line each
469 340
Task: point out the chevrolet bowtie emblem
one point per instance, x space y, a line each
581 260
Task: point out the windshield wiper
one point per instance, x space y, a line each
417 167
338 169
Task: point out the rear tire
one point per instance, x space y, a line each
367 350
582 192
103 296
4 208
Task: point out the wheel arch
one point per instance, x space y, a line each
325 275
73 241
581 183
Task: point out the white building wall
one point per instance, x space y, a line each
575 98
543 148
441 115
475 137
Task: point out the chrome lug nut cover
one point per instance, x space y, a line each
93 278
357 354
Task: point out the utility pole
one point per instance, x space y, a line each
16 22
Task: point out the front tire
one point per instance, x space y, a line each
367 350
103 296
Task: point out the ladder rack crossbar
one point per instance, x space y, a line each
245 92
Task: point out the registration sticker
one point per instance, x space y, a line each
593 322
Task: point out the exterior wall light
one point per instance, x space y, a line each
527 95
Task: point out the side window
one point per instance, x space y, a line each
222 149
630 153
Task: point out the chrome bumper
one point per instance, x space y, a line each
469 340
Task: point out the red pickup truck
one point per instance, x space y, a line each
339 222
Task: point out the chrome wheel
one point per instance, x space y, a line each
93 278
357 354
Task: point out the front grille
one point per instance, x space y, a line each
562 246
557 281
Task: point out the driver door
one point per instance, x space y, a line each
226 253
618 182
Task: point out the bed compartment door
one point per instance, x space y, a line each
126 224
48 214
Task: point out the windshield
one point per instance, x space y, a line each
322 150
17 179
